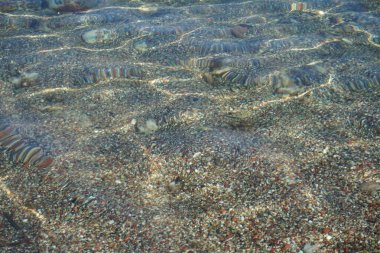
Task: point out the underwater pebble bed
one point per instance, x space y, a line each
189 126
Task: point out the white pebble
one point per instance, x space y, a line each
197 154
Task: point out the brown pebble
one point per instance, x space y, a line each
208 78
44 162
286 247
239 31
326 231
6 132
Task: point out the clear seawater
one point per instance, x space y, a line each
189 126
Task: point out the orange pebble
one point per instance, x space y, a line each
326 231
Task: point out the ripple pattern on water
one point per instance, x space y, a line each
174 121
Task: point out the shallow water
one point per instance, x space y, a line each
189 126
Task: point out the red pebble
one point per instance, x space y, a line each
326 231
286 247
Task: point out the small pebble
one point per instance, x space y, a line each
370 187
197 154
98 36
239 31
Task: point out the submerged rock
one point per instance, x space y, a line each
99 36
72 5
25 80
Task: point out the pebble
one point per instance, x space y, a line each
141 46
370 187
25 80
149 127
239 31
71 5
98 36
197 154
310 248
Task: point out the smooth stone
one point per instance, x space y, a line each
98 36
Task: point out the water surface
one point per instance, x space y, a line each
189 126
